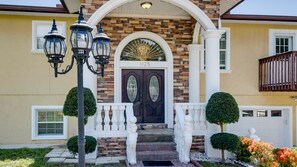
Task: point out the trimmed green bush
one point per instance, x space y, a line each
90 144
70 104
225 141
222 109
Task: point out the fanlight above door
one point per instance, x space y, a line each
143 49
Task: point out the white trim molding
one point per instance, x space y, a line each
44 27
281 32
34 121
167 66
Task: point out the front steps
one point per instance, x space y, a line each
155 142
156 145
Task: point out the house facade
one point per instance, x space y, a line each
166 63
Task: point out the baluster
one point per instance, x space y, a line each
114 119
196 117
176 128
184 108
202 117
122 117
99 119
191 112
106 118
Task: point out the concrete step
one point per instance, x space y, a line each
143 126
154 138
155 146
156 155
155 135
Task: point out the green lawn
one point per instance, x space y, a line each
26 157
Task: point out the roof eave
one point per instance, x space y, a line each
229 16
32 9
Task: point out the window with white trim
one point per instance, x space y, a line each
41 28
48 122
281 41
224 52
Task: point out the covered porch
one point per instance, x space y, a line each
177 31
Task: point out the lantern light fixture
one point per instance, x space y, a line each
146 5
82 43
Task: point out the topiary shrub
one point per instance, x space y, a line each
70 104
90 144
225 141
222 109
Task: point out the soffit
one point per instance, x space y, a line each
159 8
72 6
227 5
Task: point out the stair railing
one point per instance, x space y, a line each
189 120
131 135
183 131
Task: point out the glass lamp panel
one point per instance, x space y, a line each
94 50
90 40
58 46
73 39
64 48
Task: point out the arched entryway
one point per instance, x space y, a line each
144 72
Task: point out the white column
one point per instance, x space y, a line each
212 57
194 72
212 80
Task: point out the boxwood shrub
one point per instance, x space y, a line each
90 144
225 141
70 104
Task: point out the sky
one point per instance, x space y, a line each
259 7
48 3
267 7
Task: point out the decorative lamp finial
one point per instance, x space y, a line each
54 27
100 28
81 15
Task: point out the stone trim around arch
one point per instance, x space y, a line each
166 65
186 5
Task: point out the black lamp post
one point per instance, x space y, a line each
82 43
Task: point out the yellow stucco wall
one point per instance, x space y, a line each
27 80
249 42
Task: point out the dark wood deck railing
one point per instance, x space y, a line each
279 72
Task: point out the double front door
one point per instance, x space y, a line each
145 89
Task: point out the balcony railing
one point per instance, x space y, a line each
279 72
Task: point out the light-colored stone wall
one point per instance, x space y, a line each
177 33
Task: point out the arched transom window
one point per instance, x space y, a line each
143 49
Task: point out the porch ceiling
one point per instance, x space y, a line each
159 8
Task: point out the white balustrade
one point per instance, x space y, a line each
111 120
189 120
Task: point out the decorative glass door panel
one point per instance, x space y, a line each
145 89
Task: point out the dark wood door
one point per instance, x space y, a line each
145 89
